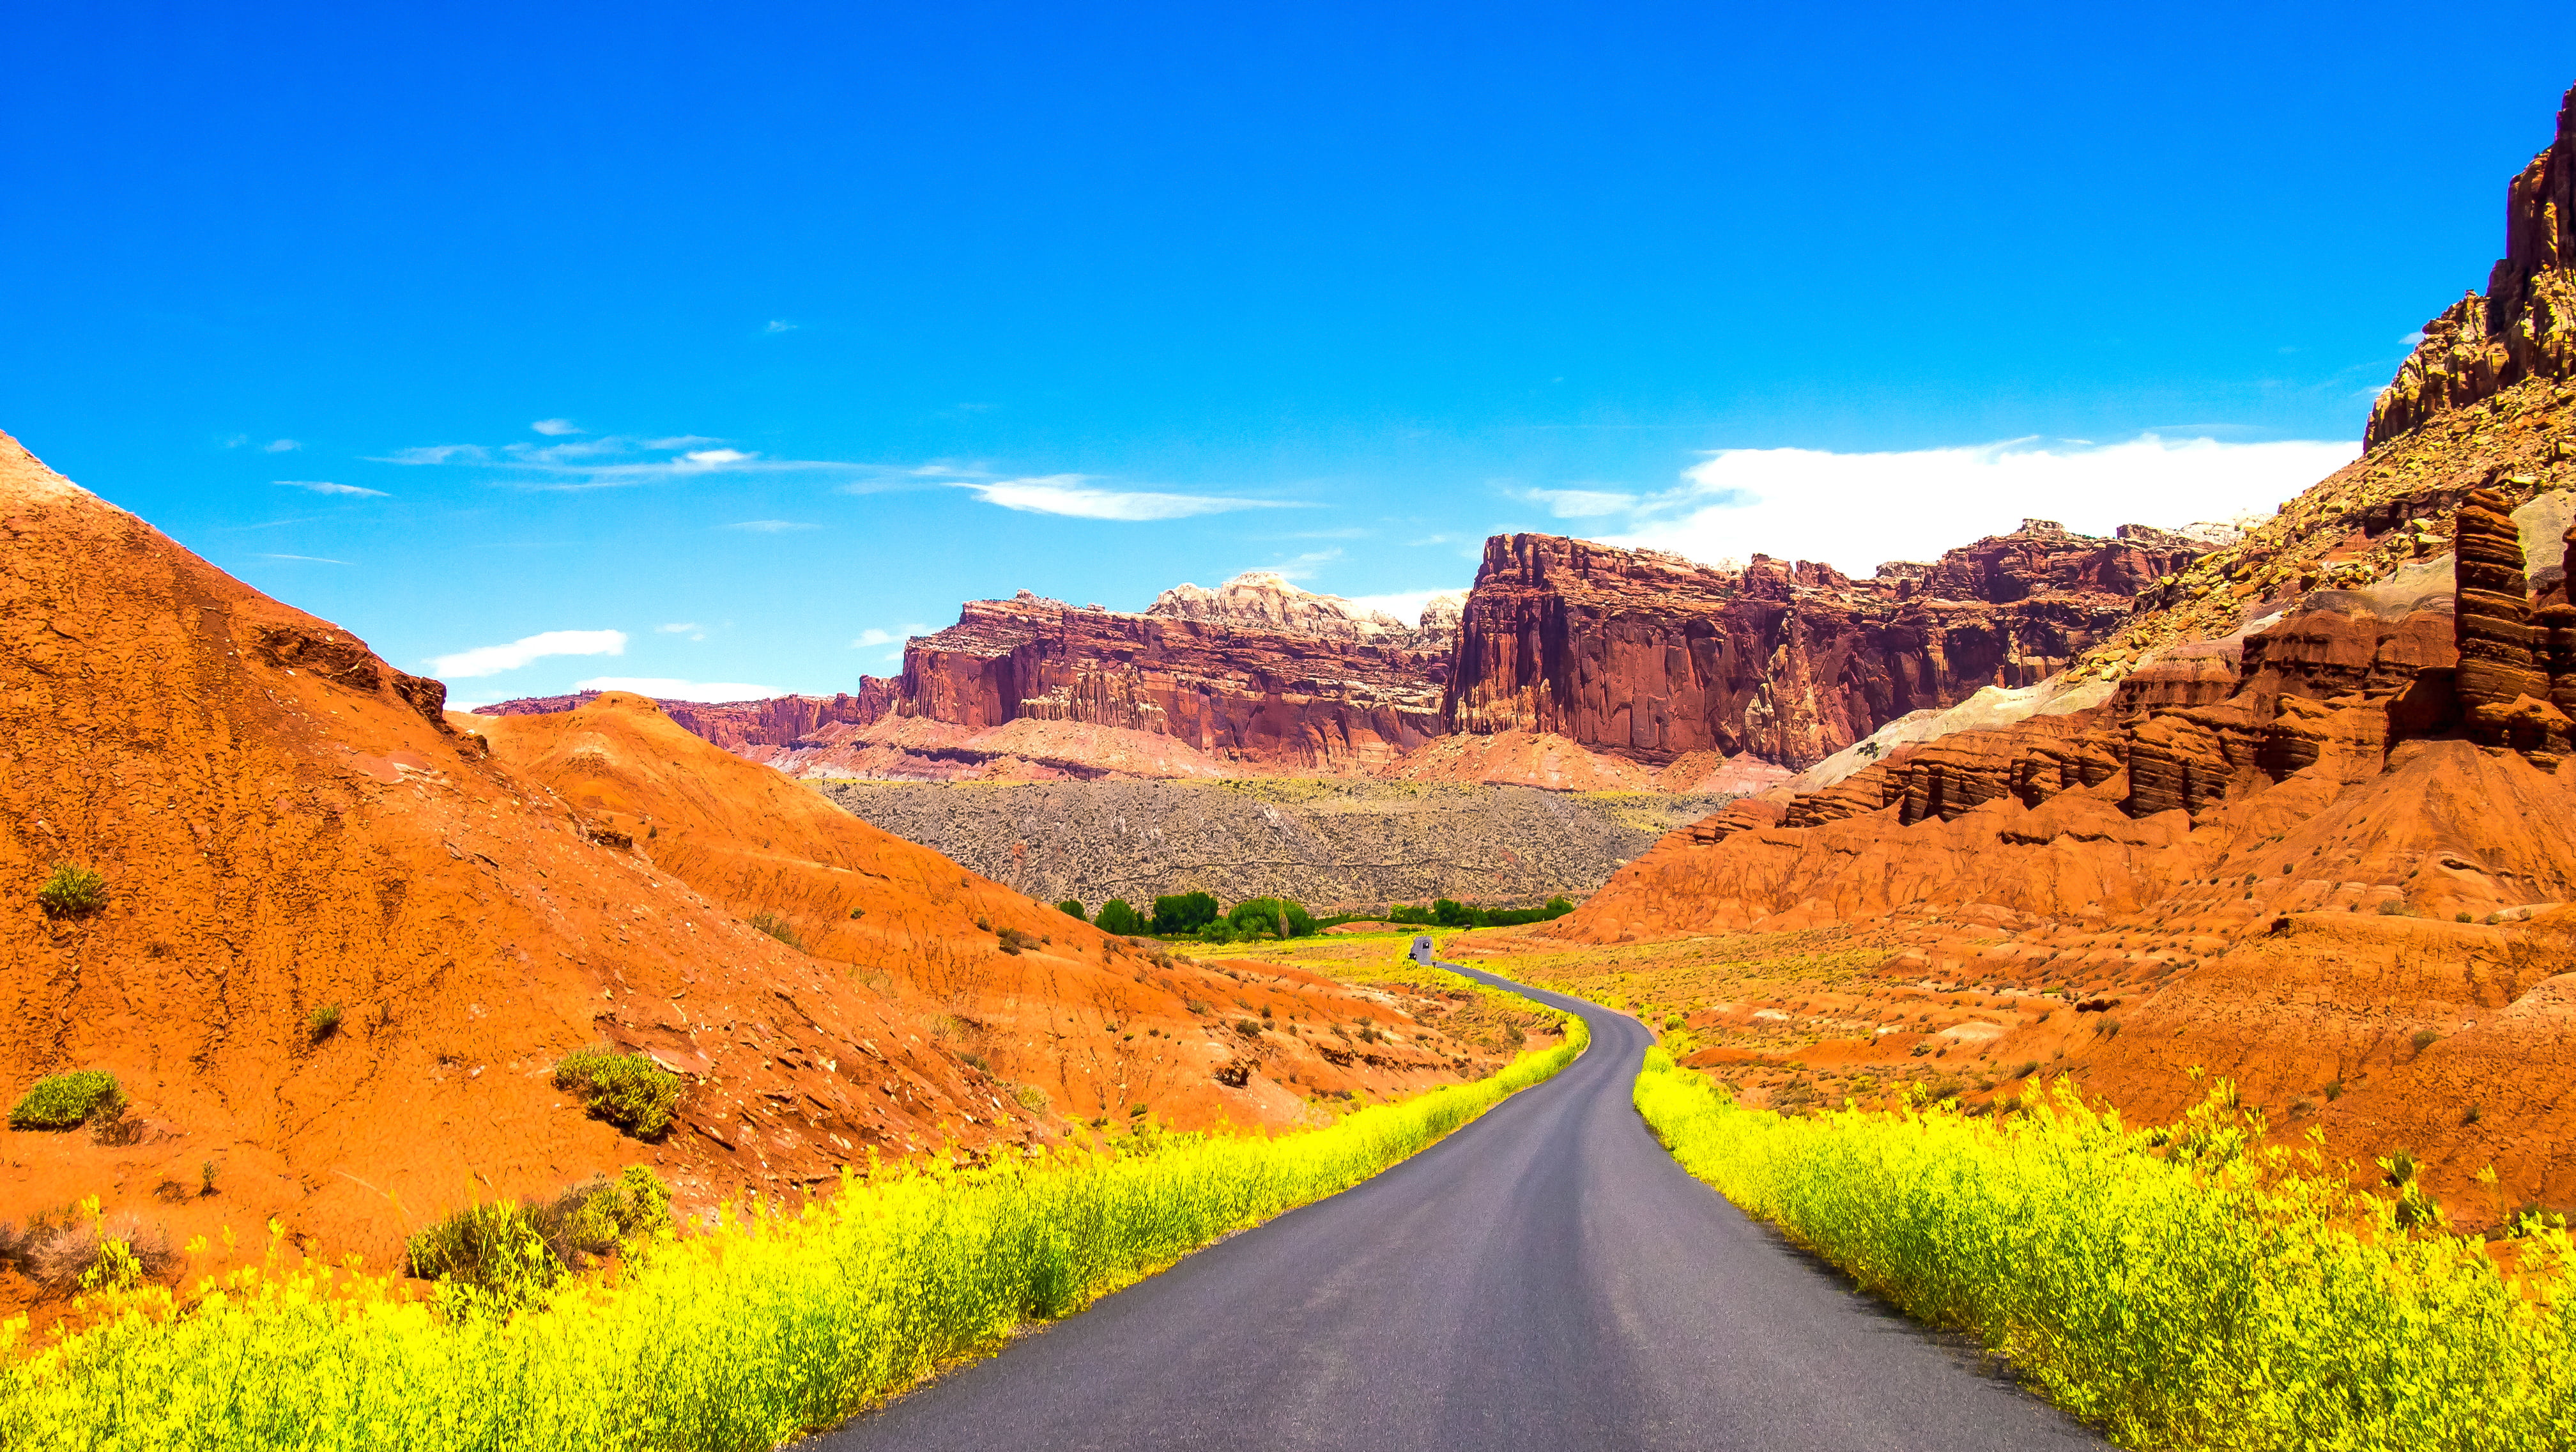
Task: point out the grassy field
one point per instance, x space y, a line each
2182 1288
768 1325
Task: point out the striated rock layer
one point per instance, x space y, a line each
1651 656
747 728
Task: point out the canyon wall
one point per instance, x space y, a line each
1650 656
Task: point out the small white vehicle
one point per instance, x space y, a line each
1422 950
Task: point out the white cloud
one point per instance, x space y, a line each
888 643
554 428
691 629
2412 340
308 559
324 486
280 446
1071 495
781 325
1855 511
1404 605
671 688
1581 503
492 660
716 458
769 526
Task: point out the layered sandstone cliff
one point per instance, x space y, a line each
747 728
1651 656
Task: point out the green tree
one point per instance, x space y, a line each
1277 915
1117 917
1451 914
1184 912
1074 908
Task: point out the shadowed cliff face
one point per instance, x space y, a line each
1649 655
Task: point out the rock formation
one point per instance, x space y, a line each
2525 325
1648 655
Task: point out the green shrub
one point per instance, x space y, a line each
515 1250
68 1101
776 926
1117 917
72 891
628 1090
1073 909
324 1022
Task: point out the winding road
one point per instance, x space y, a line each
1544 1278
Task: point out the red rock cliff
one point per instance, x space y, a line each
1269 682
1650 655
743 727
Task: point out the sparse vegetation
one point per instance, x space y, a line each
772 1323
72 891
2188 1286
68 1101
1015 941
2424 1039
776 926
322 1022
512 1251
628 1090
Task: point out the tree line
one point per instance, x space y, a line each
1199 915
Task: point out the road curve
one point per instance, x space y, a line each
1544 1278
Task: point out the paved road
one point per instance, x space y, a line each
1544 1278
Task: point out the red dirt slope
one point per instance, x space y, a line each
1099 1025
286 823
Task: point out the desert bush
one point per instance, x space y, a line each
72 891
776 926
773 1323
2187 1286
323 1022
1030 1097
628 1090
2392 908
1015 941
79 1248
514 1250
68 1101
2424 1039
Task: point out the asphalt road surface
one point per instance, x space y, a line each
1544 1278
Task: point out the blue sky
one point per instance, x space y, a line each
746 338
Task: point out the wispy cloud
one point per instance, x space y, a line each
436 454
1074 496
780 325
1581 503
492 660
692 630
889 643
1858 510
554 428
1305 566
307 559
769 526
273 446
673 688
325 486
